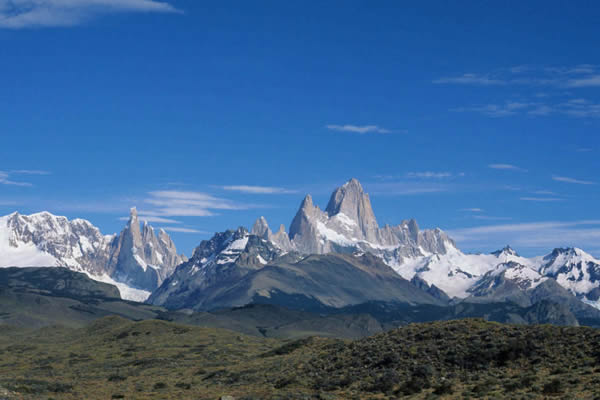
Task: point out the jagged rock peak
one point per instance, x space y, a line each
307 202
261 228
351 200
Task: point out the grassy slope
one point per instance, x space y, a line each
114 357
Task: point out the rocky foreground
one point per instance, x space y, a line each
116 358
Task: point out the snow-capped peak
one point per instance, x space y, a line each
506 251
44 239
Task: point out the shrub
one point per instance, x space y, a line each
116 378
553 387
444 388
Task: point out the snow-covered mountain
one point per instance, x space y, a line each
235 268
139 260
136 262
428 257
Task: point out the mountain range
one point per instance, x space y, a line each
333 258
137 260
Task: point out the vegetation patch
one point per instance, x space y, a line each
463 359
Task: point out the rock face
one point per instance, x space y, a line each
215 265
350 200
348 223
140 258
137 260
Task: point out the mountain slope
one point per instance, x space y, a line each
235 268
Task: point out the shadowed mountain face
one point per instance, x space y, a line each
38 297
249 269
56 282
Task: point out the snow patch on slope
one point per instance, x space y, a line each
127 292
24 254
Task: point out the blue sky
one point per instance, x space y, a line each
481 118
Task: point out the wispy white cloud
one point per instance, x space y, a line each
542 199
18 14
585 75
471 79
566 179
578 108
498 110
546 234
360 129
525 227
432 175
508 167
182 230
558 82
475 210
30 172
5 179
258 189
589 81
153 218
545 192
491 218
407 188
173 203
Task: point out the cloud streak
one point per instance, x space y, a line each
541 199
19 14
566 179
360 129
579 76
545 235
181 230
258 189
558 82
6 180
507 167
470 79
153 219
174 203
431 175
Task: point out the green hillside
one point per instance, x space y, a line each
116 358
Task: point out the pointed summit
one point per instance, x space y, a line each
351 200
261 228
307 202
